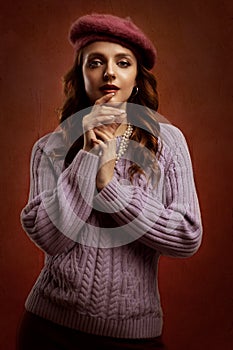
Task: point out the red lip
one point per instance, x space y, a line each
109 87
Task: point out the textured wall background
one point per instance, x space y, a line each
194 41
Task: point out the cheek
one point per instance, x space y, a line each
129 85
87 81
130 80
88 78
89 85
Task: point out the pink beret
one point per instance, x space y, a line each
105 27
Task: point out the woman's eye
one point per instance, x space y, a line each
123 64
94 64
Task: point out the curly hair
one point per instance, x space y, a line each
145 126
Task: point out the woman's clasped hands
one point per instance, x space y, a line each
101 126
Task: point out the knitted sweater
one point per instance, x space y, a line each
91 280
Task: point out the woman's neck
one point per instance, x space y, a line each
121 129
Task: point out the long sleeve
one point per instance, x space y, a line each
169 222
59 204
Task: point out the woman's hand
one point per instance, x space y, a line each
107 147
100 115
99 136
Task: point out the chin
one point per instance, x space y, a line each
116 103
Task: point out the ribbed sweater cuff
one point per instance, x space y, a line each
114 197
85 164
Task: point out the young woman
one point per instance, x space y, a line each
111 191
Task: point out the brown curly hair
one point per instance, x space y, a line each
145 126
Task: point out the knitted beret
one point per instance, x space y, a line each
106 27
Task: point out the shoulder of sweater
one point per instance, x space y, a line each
171 141
171 136
50 142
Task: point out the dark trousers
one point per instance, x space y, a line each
36 333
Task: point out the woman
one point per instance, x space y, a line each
111 191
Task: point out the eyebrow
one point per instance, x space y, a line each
118 55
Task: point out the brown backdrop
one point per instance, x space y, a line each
195 80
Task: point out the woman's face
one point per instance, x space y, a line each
108 67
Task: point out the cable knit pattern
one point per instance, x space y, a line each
87 283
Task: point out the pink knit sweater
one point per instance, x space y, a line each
102 249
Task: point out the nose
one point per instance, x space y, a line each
109 73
